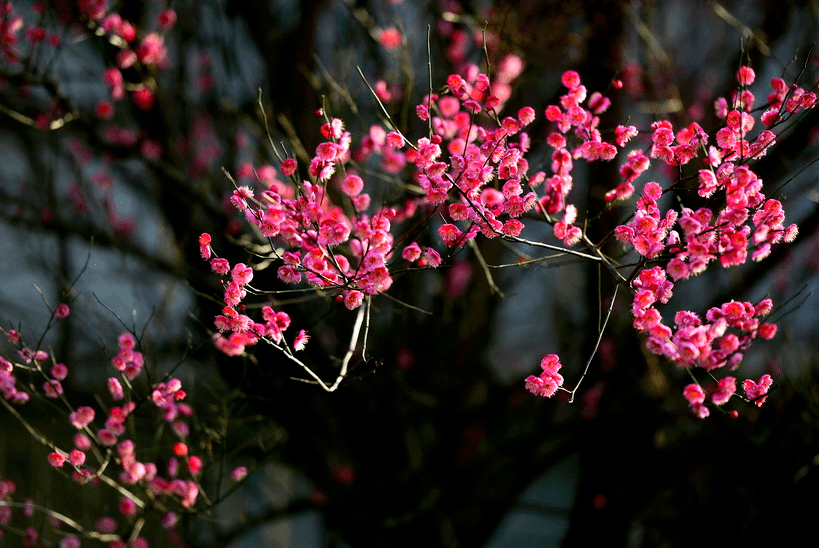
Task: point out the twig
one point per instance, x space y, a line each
729 18
429 69
495 289
384 110
102 537
525 262
359 319
366 328
550 246
42 439
279 157
362 312
596 345
408 305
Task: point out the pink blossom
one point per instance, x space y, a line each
756 390
763 308
70 541
332 232
106 437
327 152
526 116
62 311
289 274
412 252
726 388
76 458
726 138
240 196
81 441
106 525
389 38
694 394
512 227
301 340
361 202
59 371
432 258
81 417
700 410
353 299
745 76
194 465
540 386
767 330
170 520
151 50
598 103
56 459
126 58
53 388
204 245
288 167
623 134
127 507
352 185
220 266
422 112
449 234
570 79
492 102
115 389
167 18
242 274
395 139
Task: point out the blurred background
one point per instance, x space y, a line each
434 441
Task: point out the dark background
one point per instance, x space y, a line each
432 441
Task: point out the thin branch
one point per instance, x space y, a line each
55 124
366 328
746 31
596 345
279 157
486 272
429 69
359 319
338 88
526 261
31 430
301 364
293 136
405 304
44 441
563 250
794 176
384 110
362 312
102 537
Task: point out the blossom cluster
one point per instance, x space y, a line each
548 382
711 344
23 39
101 439
743 223
472 170
747 224
336 240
